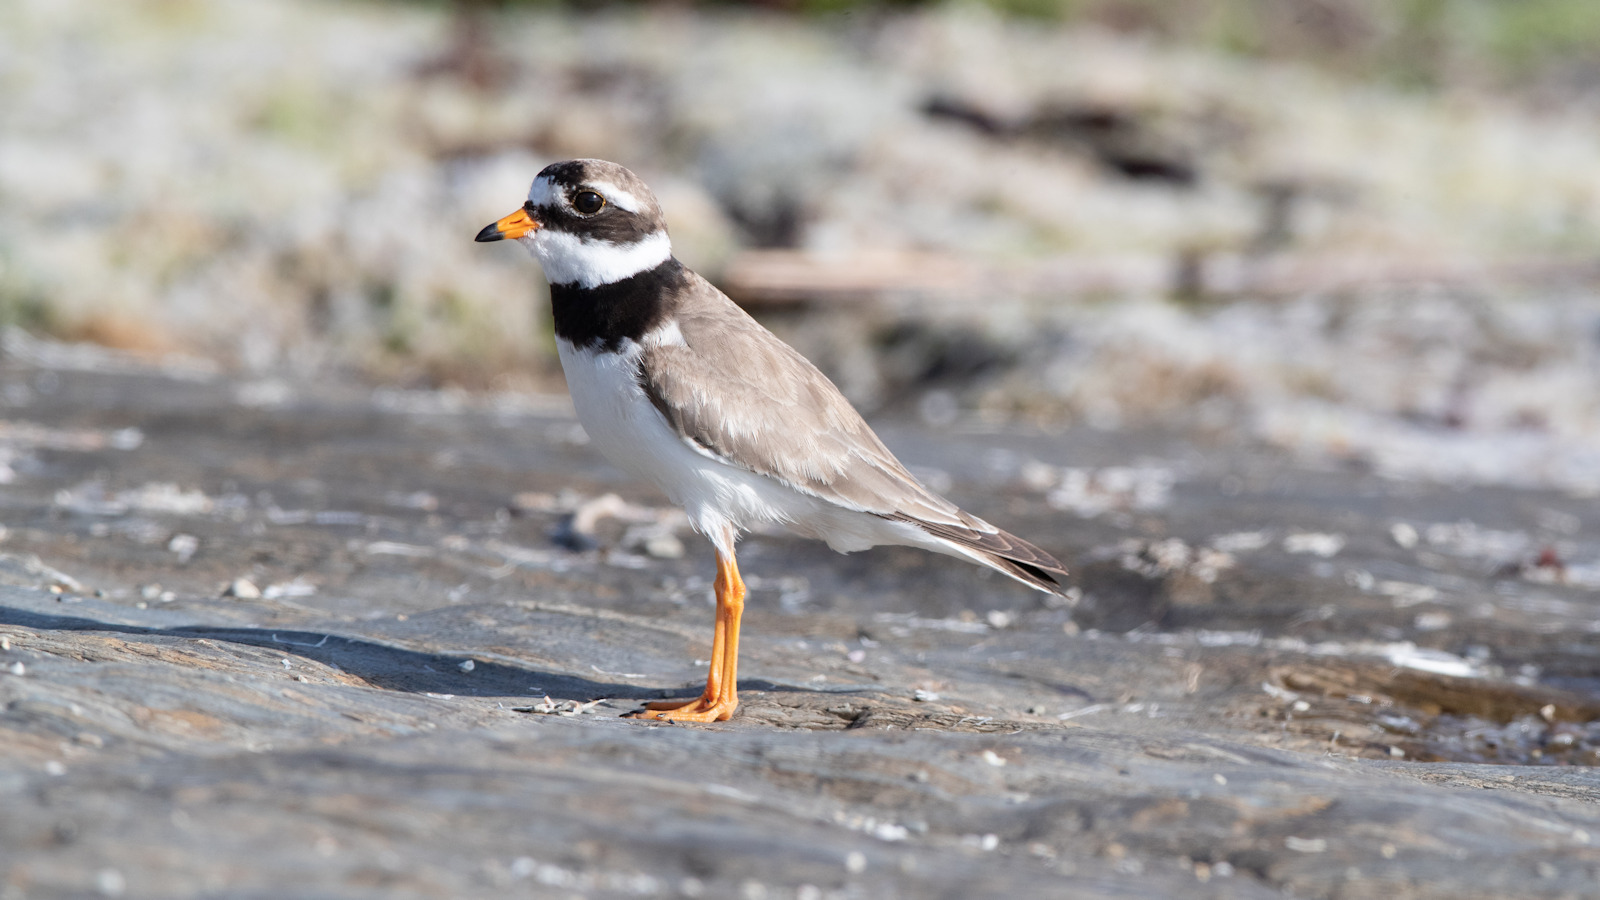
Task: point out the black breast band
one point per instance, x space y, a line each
606 315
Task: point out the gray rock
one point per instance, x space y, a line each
1213 716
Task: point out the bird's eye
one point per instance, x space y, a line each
588 202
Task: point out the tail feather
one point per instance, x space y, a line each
1001 551
1031 575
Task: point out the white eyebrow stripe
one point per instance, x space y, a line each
616 196
543 192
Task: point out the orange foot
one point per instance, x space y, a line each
700 709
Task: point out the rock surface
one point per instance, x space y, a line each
1275 679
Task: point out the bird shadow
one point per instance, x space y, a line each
380 665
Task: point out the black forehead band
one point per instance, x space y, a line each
611 223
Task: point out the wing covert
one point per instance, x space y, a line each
732 389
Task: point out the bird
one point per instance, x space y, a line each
680 387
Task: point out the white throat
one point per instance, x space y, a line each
569 259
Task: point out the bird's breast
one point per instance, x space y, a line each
632 433
613 407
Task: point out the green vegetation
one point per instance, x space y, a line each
1423 43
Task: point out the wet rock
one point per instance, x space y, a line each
431 693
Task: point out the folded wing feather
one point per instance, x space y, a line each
773 413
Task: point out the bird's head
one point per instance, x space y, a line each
589 222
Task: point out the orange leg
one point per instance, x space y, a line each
721 695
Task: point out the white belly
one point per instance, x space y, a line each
721 500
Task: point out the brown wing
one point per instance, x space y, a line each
739 393
735 391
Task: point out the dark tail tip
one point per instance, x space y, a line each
1044 579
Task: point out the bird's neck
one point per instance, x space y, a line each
605 315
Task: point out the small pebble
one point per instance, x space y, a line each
467 665
855 863
17 668
664 546
243 589
110 883
1404 535
1305 845
184 545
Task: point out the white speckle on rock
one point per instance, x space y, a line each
1405 535
984 842
184 545
110 883
1305 845
1313 542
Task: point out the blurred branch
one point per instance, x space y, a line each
778 278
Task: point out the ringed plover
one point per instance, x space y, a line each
679 386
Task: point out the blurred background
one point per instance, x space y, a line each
1354 229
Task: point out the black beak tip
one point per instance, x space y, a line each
490 232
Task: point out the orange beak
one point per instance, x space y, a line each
511 227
